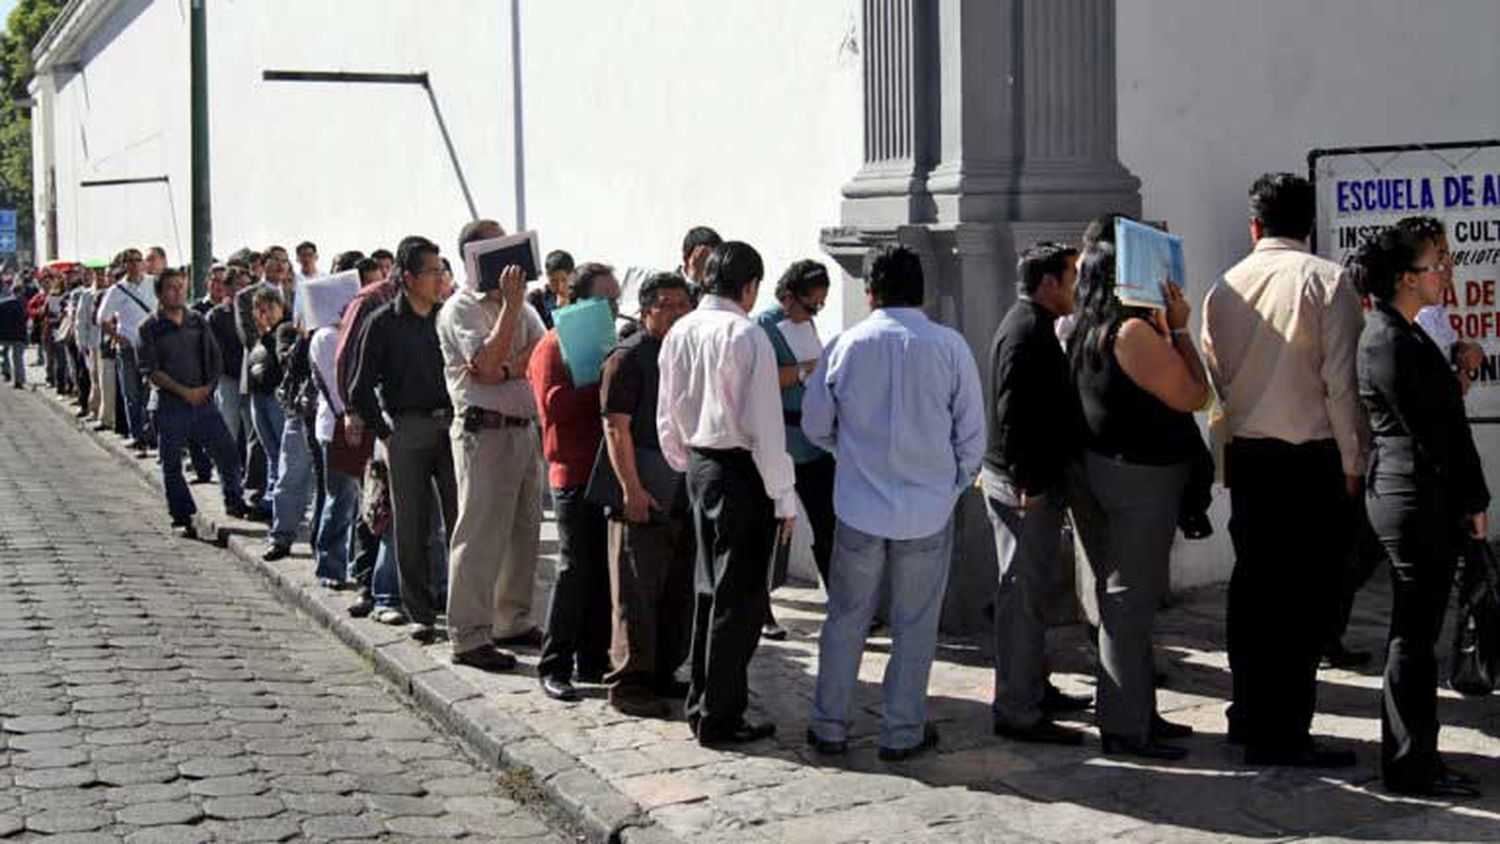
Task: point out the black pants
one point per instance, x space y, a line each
85 381
366 550
578 620
736 527
815 489
1364 557
420 457
1290 529
651 581
1422 532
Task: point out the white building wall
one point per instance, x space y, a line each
1212 94
124 115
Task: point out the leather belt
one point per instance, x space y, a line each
492 419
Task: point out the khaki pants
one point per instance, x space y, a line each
492 561
95 394
109 386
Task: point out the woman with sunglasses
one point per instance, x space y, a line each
1425 491
801 292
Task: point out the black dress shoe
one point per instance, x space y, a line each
742 733
825 747
531 638
901 754
638 706
559 689
1042 732
1164 730
486 658
773 632
362 607
1341 657
592 676
1310 755
1151 749
1454 775
673 689
423 633
237 510
1054 700
185 529
276 552
1436 788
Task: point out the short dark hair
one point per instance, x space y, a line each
893 275
267 296
346 261
470 232
1101 229
273 248
732 267
158 252
652 287
405 246
1283 204
367 265
1380 262
699 236
1041 260
236 274
382 255
306 244
163 276
415 252
802 278
581 282
558 261
243 258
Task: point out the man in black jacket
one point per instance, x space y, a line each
12 334
1035 433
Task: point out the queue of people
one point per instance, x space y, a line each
401 422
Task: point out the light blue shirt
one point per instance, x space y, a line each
897 399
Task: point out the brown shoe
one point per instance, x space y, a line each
486 658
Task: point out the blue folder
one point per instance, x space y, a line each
586 334
1145 259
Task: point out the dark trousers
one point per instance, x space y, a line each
736 531
81 371
1364 557
1422 532
651 582
815 490
1290 530
178 422
366 550
420 457
578 619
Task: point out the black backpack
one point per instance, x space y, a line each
1476 637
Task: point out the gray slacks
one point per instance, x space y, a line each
419 456
1139 504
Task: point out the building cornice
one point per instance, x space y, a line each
63 42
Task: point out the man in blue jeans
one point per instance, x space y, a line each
897 399
179 356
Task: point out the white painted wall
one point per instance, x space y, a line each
1211 94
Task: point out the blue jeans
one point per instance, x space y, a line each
294 481
129 369
385 586
13 354
266 414
177 422
917 571
336 534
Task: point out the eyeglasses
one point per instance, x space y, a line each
1440 267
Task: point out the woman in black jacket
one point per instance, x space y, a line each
1426 491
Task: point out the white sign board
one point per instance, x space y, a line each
1363 190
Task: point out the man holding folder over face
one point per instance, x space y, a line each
487 337
720 421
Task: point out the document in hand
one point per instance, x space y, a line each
486 259
321 301
1146 259
586 334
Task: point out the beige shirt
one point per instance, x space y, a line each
463 325
1280 333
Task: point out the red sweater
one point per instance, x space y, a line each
571 424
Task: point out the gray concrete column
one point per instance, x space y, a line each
898 46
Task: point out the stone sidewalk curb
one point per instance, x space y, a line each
502 742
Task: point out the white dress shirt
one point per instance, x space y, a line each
1434 320
118 303
719 390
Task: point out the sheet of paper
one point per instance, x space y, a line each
1145 259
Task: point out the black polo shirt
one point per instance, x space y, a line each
400 366
187 353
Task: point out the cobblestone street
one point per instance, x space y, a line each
152 690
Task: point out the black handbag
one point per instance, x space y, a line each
1476 638
664 483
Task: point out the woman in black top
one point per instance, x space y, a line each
1425 491
1139 379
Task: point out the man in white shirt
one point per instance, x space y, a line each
719 420
126 305
307 262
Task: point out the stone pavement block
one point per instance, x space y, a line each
399 661
652 791
539 756
599 803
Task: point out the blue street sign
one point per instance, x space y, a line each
8 221
7 241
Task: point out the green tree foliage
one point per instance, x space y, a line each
27 24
